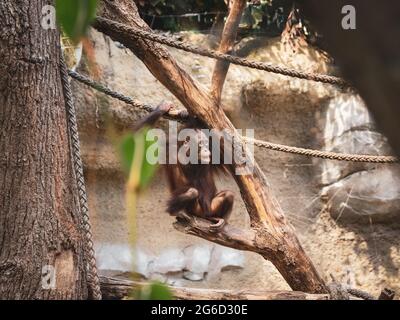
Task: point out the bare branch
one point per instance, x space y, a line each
226 45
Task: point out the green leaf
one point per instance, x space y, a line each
148 170
155 291
75 16
127 151
127 148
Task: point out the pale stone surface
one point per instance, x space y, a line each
357 192
365 196
225 259
198 258
112 256
193 276
193 263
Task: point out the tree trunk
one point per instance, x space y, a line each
39 211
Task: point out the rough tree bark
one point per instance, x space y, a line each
226 46
271 228
39 211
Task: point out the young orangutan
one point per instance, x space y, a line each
192 185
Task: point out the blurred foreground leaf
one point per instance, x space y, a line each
127 152
75 16
155 291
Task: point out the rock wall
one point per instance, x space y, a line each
360 192
280 109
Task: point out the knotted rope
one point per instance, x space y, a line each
93 279
119 27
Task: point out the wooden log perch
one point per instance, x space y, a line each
226 46
270 229
116 289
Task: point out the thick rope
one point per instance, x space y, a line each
340 291
93 279
182 117
222 56
323 154
360 294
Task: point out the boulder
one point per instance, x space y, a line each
357 192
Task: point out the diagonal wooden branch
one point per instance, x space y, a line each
116 289
266 216
226 46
